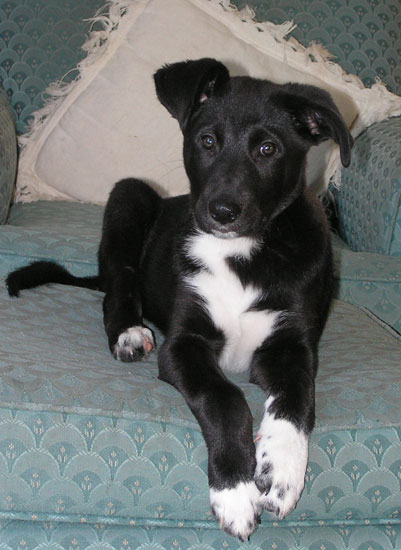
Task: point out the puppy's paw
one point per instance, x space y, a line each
237 509
134 344
281 460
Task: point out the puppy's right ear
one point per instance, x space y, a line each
183 87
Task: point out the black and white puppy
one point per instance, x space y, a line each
238 275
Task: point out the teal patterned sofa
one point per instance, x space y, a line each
95 454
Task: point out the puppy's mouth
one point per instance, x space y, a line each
225 231
230 231
225 234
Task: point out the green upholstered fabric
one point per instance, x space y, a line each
369 200
64 231
364 36
8 155
56 535
40 42
91 443
369 280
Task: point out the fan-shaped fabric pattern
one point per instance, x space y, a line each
363 35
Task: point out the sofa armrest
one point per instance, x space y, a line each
370 280
369 200
8 155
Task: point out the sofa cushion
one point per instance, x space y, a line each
52 230
84 438
110 125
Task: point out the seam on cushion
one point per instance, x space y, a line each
172 420
376 320
367 279
90 519
396 215
102 413
50 258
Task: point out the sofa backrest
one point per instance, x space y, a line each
363 35
40 42
369 200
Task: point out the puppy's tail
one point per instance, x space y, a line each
40 273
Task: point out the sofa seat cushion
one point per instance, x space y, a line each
52 230
84 438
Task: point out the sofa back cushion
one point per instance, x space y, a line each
40 43
363 35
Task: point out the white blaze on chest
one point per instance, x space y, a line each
227 301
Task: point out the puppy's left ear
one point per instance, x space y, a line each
316 117
183 87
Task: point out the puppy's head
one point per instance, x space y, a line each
245 142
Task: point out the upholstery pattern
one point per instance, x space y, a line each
363 35
101 382
39 43
17 535
67 232
369 200
91 443
8 155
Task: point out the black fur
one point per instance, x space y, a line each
245 142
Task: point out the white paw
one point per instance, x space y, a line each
281 460
237 509
133 344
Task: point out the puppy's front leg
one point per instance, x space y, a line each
285 370
189 363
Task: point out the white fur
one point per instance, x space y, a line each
133 339
227 300
285 448
237 509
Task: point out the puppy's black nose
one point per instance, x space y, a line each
224 211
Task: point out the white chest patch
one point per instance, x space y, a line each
227 301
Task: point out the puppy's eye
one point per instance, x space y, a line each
267 149
208 141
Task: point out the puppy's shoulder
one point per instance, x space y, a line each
317 214
302 231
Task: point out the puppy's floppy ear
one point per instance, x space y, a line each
182 87
316 116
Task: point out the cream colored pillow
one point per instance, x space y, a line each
109 124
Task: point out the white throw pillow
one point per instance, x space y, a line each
109 124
